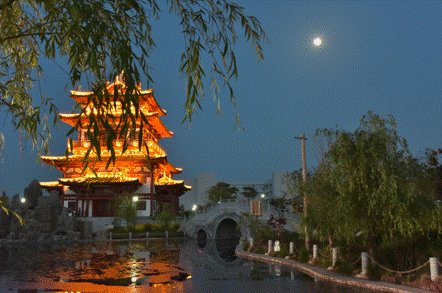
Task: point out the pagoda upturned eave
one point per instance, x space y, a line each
76 161
69 181
152 118
144 97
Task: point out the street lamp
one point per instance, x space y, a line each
194 207
23 200
135 199
263 195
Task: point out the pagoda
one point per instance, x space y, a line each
91 193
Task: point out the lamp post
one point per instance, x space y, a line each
304 179
135 200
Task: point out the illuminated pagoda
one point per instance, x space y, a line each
92 193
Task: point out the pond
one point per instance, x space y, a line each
148 266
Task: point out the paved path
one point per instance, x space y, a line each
330 275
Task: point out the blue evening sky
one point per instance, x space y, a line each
380 56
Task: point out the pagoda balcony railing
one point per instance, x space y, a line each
153 146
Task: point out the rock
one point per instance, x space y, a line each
16 227
55 202
42 237
45 227
101 235
65 222
46 214
5 224
73 235
85 229
32 193
16 203
42 201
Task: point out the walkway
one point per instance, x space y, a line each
330 275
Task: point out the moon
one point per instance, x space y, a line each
317 42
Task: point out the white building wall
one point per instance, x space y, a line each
279 188
198 194
146 212
189 198
273 188
205 181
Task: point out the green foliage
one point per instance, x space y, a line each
283 252
4 204
260 249
102 38
277 223
221 191
368 184
174 226
434 163
153 227
127 209
165 217
258 230
303 255
249 192
139 228
246 245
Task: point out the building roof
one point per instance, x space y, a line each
146 98
166 180
61 162
154 120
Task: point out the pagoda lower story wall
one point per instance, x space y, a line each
104 205
104 208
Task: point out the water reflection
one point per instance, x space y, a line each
99 266
148 267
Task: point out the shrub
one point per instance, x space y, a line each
259 249
303 255
344 268
174 226
284 250
391 278
153 227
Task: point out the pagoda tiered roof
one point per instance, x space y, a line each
136 167
153 119
76 161
146 97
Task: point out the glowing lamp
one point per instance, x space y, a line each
135 198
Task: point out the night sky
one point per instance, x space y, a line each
380 56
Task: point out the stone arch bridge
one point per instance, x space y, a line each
223 220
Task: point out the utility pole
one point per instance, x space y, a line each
304 178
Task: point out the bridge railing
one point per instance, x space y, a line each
222 207
242 206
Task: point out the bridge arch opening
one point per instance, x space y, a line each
227 229
201 238
227 237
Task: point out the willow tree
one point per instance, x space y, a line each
102 38
323 216
381 191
